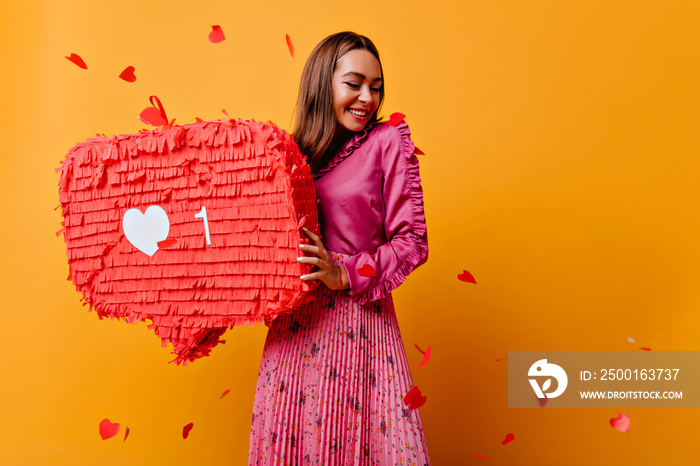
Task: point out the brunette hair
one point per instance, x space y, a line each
315 123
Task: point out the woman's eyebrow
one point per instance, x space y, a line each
360 75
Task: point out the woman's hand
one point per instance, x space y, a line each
333 276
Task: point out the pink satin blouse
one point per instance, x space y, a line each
371 209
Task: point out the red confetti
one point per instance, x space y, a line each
126 433
417 151
186 430
644 348
224 394
216 35
542 402
154 116
501 359
395 119
416 345
467 277
481 457
225 113
166 243
621 423
509 438
128 74
198 120
426 358
366 271
289 45
75 58
108 429
414 399
411 393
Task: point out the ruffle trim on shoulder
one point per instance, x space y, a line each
418 227
354 143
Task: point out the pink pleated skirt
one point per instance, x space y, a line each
330 388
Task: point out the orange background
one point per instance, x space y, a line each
561 170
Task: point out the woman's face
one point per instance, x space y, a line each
357 81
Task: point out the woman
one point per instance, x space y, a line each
333 374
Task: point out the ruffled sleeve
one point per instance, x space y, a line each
374 275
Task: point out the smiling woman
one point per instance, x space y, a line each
357 82
334 373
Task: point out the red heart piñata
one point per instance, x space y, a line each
194 227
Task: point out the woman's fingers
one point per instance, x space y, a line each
314 237
310 260
313 276
310 248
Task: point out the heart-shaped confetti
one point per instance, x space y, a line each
414 399
621 423
186 430
417 151
395 119
216 35
366 271
108 429
155 115
226 392
426 358
75 58
126 433
643 348
467 277
289 45
509 438
128 74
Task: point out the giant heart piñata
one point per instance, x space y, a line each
195 228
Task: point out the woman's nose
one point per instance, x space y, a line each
365 95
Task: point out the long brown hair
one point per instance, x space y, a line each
315 123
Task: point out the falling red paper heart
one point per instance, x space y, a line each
426 358
416 345
366 271
126 433
224 394
395 119
186 430
289 45
542 402
128 74
154 115
166 243
417 402
216 35
414 399
417 151
410 395
467 277
644 348
108 429
509 438
75 58
501 359
621 423
232 193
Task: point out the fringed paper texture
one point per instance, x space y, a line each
257 190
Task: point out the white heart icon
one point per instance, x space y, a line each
145 230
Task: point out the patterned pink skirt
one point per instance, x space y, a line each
330 388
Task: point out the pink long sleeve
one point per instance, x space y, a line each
372 209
